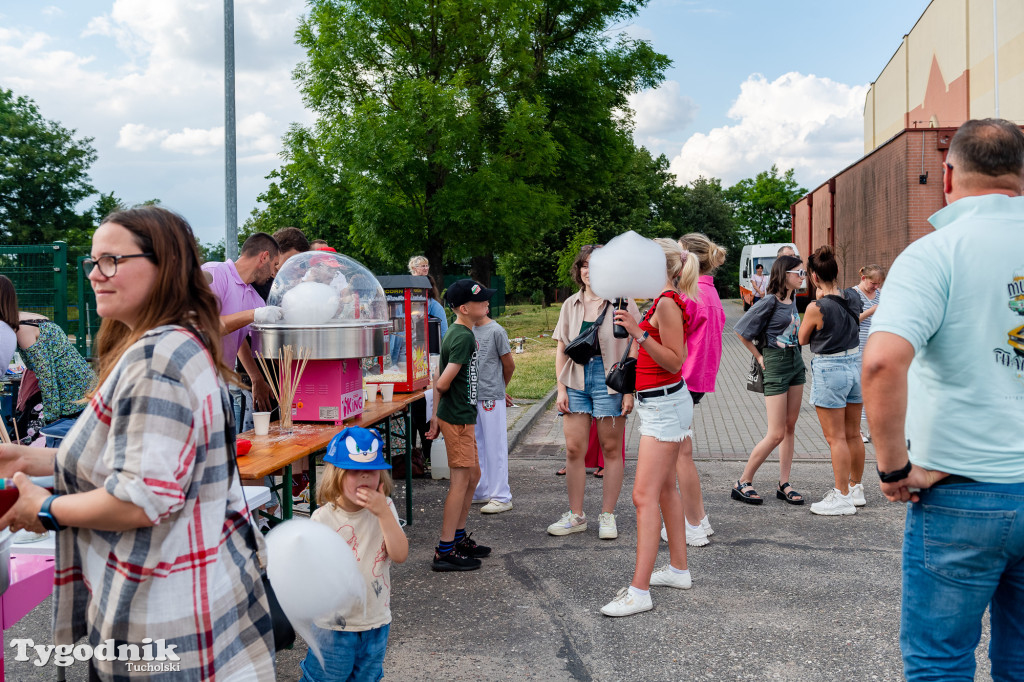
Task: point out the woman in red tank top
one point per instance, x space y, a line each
666 413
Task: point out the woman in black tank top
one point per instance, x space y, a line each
831 326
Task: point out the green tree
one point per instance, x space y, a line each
43 175
762 205
703 206
460 130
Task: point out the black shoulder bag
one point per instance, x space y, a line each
586 345
755 377
622 377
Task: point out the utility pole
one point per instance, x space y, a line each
230 173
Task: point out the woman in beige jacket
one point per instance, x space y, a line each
584 396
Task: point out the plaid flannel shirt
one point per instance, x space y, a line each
154 435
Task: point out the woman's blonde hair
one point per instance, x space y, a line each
870 271
418 261
710 254
681 267
329 486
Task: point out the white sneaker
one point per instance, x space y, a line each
865 437
569 523
706 525
696 537
857 495
496 507
626 604
666 577
834 504
606 529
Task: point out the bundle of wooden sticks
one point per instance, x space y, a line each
291 366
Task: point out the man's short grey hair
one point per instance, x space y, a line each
989 146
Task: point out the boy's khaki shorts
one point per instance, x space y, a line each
460 439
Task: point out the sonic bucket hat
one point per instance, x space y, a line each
357 448
465 290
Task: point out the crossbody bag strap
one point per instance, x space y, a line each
230 443
842 304
600 318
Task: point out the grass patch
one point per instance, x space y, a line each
535 366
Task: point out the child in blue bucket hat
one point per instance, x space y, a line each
354 498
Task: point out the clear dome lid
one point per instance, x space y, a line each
324 288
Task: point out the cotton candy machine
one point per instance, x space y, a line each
335 313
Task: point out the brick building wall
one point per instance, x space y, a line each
880 204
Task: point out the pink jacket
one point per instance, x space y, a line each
704 338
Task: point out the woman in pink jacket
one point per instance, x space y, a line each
703 356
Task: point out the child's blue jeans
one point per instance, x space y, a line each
353 656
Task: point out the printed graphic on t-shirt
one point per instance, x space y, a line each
789 337
1014 360
472 376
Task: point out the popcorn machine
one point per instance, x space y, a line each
406 363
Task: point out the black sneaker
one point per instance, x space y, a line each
454 561
469 547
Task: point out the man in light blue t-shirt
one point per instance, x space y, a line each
944 392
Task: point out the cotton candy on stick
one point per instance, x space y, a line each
629 266
314 575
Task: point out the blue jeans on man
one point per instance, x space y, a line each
963 552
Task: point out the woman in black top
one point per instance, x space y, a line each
831 326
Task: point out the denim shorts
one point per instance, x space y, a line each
357 656
835 380
595 399
666 418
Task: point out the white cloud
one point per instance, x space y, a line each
811 124
662 110
52 11
137 137
145 80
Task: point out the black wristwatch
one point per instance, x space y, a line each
894 476
46 517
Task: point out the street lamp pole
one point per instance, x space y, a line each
230 172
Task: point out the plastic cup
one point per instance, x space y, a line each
261 423
371 392
387 391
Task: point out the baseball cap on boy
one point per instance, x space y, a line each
465 290
357 448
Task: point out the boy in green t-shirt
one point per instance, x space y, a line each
455 417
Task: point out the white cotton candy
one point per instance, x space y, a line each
309 303
629 266
314 575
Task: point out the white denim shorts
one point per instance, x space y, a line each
666 418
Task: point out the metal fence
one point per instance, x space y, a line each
88 320
39 273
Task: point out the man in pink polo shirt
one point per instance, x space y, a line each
232 283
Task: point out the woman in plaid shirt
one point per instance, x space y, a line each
153 540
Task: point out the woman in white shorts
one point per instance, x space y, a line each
666 413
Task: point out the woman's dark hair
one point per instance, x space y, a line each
577 265
777 280
432 292
8 303
823 264
180 294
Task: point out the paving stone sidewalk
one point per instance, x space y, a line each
727 423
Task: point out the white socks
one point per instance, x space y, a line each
638 592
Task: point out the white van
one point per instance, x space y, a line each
763 254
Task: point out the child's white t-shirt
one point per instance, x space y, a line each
361 531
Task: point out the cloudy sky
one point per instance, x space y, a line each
753 82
